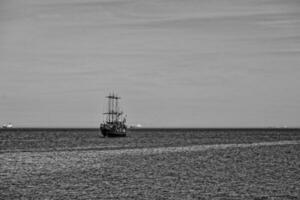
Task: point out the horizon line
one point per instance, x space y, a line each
157 127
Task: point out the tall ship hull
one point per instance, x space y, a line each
114 124
108 130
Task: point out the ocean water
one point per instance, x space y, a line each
150 164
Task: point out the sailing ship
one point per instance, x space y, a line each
115 122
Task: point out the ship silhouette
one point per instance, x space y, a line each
115 121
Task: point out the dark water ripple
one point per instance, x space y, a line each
85 139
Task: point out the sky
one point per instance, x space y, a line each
192 63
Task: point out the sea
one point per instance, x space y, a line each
150 163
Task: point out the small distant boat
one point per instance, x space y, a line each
136 126
9 125
115 123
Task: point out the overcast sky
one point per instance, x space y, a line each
200 63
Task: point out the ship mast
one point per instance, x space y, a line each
113 108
